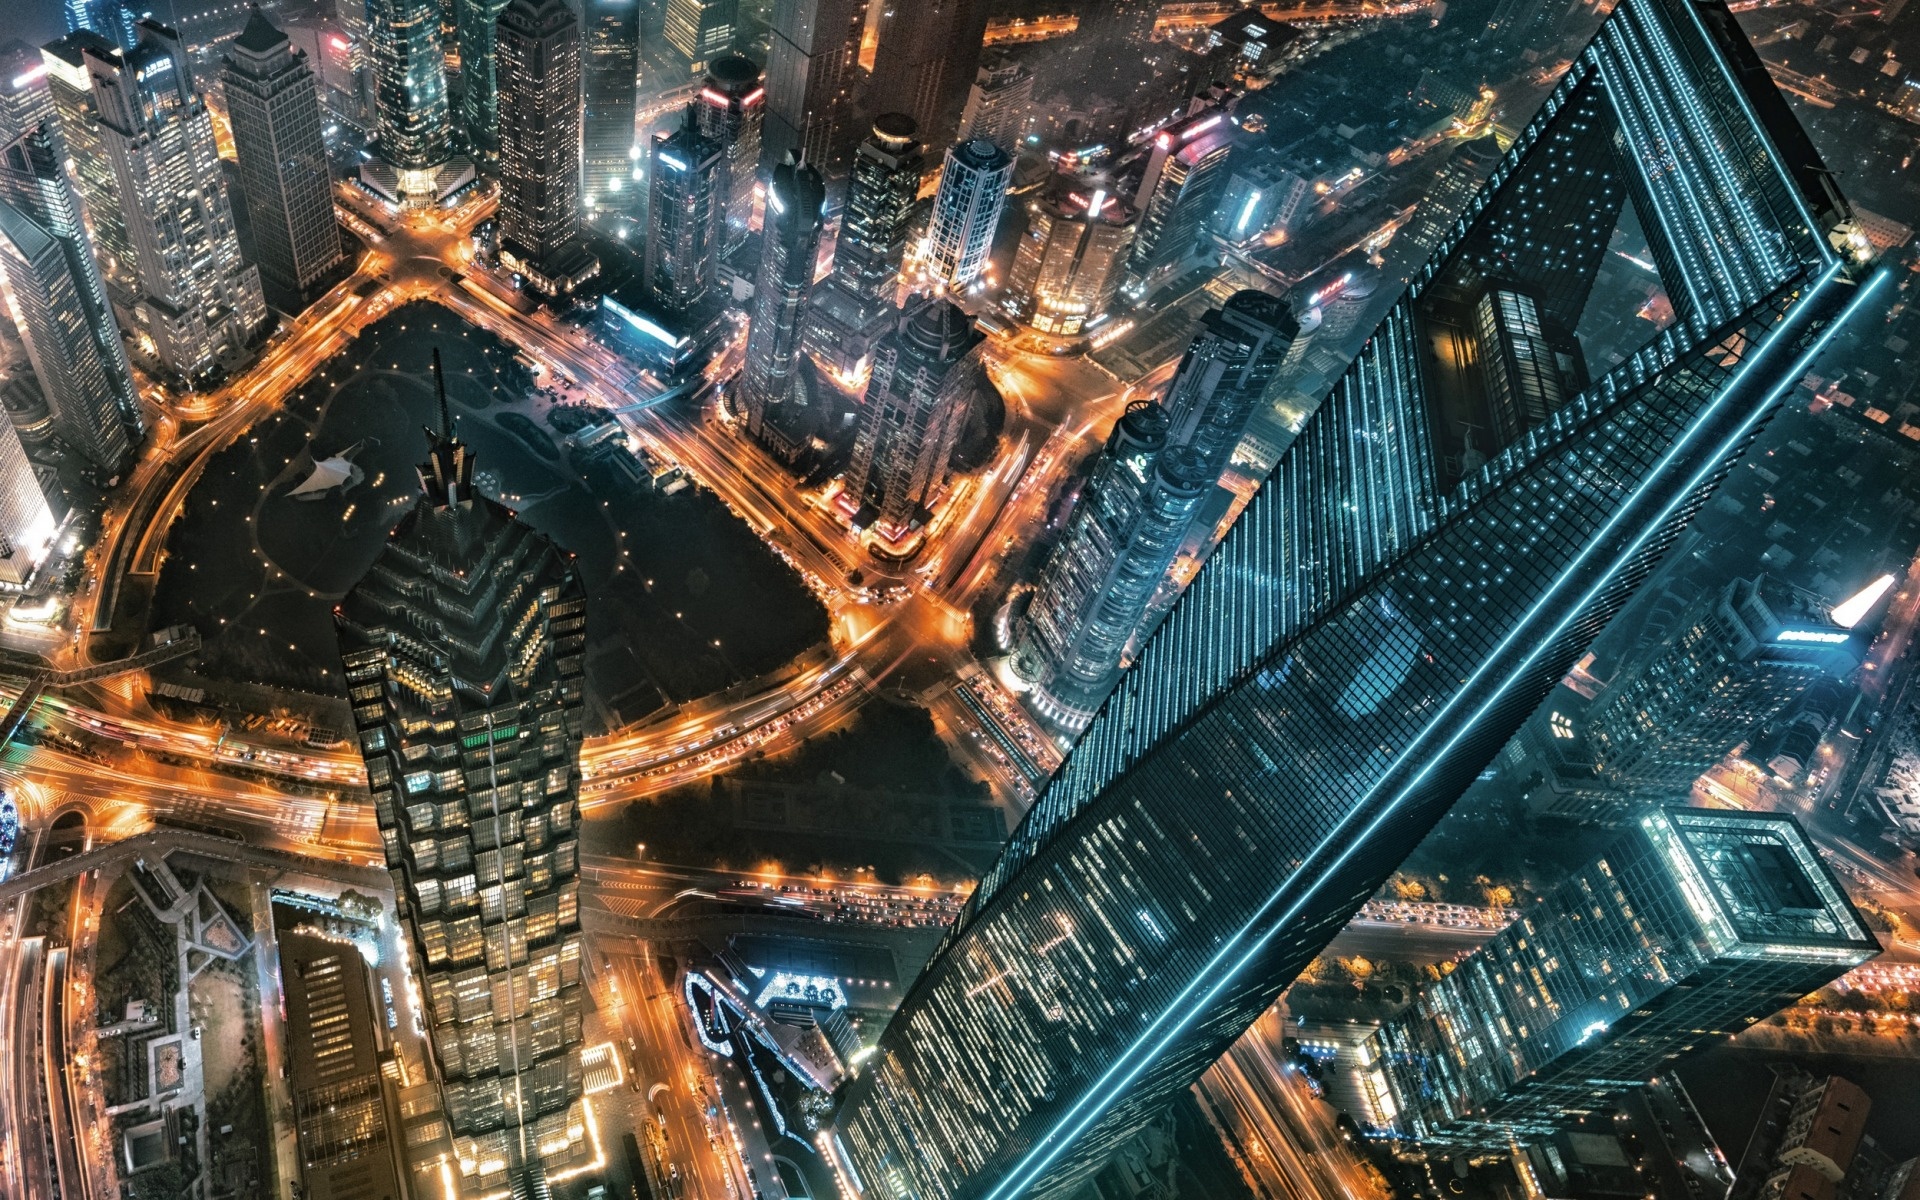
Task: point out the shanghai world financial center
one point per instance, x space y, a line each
1451 528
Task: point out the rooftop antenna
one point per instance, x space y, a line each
440 391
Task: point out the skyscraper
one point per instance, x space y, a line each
1445 200
476 27
813 49
27 525
1691 927
854 310
1185 174
925 62
538 60
771 385
55 297
732 109
684 203
612 86
966 211
91 167
701 30
416 164
1070 259
109 19
1740 657
924 376
1091 600
198 300
462 652
1225 375
273 104
1373 629
998 104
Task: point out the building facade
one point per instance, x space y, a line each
999 103
273 104
199 300
925 61
89 164
772 389
413 124
109 19
538 58
701 30
924 376
684 214
462 650
476 28
731 113
1741 657
855 308
1227 372
1091 601
1179 190
1694 925
966 212
1370 633
612 87
58 303
1068 265
813 49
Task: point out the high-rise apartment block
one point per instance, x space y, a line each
686 174
415 165
855 308
1070 260
612 87
55 297
924 376
966 212
1000 102
813 49
730 114
1694 925
91 167
462 649
701 30
537 50
1739 658
1091 600
273 104
925 61
771 384
199 300
1372 630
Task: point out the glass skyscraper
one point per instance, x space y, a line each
732 109
686 205
1393 602
612 86
537 51
966 211
462 649
1691 927
772 389
416 164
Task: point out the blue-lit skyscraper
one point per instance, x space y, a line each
772 387
111 19
966 211
1691 927
686 205
1394 601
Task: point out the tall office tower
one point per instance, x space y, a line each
684 203
198 298
416 164
1453 187
813 48
53 292
1739 659
701 30
856 307
476 27
538 59
89 164
273 104
1373 629
1091 601
1692 926
770 383
1000 102
924 376
1225 375
109 19
926 59
732 109
24 103
27 524
966 212
1070 259
462 652
612 87
1186 172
